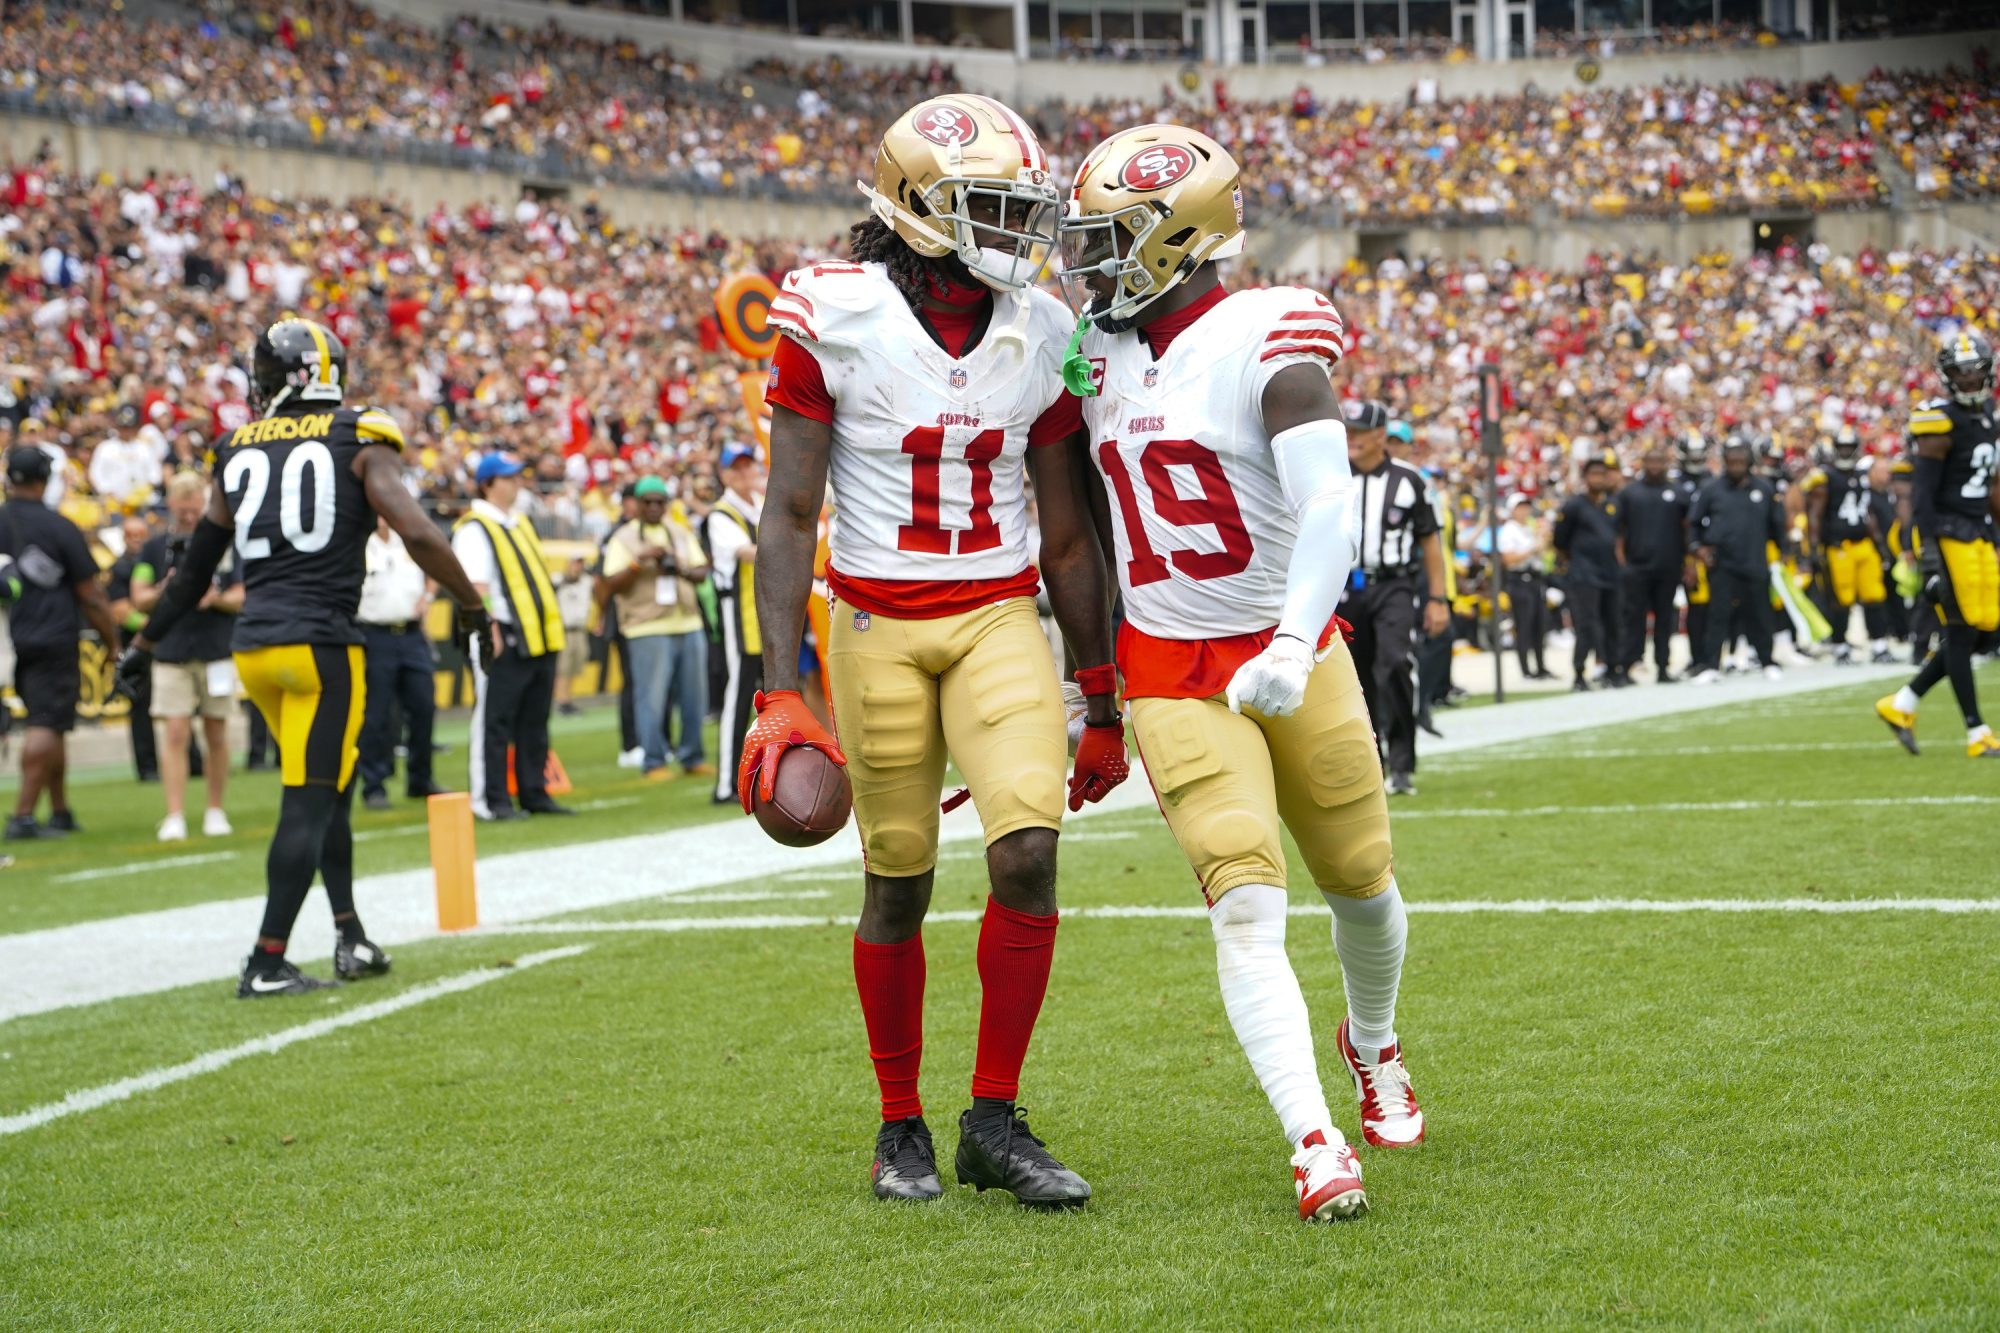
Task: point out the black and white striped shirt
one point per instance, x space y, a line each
1396 516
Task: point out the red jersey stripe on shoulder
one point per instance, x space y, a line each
788 322
1306 329
1315 313
1328 350
800 297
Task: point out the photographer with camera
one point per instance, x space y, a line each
193 673
652 565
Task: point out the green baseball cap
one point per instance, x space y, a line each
647 487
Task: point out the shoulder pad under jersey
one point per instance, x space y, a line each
829 304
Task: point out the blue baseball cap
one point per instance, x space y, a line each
1400 430
736 451
496 465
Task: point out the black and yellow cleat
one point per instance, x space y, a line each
1903 724
1001 1152
1984 746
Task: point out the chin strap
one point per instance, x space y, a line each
1076 366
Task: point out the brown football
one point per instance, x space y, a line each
810 801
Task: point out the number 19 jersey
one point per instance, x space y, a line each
1203 529
929 450
302 521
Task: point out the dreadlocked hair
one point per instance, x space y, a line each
873 241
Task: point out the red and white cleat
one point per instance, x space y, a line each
1328 1179
1390 1116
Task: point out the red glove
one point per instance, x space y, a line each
783 721
1100 763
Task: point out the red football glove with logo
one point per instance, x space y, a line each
783 721
1100 763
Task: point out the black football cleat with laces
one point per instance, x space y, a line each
1000 1152
905 1163
284 979
354 959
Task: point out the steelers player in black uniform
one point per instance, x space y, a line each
1957 444
1844 545
297 492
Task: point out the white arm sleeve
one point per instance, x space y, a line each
1319 486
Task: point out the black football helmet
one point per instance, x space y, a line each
1965 359
296 360
1846 448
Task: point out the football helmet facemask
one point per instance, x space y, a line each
296 360
1150 205
964 176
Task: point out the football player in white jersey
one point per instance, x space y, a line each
1224 465
920 378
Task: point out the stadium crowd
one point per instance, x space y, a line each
481 92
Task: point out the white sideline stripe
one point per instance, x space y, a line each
90 1099
140 867
1512 907
1688 807
57 967
764 896
1663 751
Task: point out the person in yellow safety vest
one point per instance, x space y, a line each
732 545
513 695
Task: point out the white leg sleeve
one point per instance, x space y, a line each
1369 934
1261 994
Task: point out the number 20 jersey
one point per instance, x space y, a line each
929 451
302 520
1203 528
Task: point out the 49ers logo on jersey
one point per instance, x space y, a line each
947 125
1157 167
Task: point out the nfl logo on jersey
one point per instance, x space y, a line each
1152 376
958 377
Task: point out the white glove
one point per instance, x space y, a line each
1274 681
1073 712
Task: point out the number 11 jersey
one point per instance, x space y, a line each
302 521
929 450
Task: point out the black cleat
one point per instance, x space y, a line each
1001 1152
548 808
1665 677
22 827
362 958
284 979
376 800
62 821
905 1163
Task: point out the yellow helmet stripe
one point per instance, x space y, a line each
325 354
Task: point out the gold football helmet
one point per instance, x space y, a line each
963 175
1150 205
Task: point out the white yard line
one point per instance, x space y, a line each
141 867
91 1099
61 966
1401 813
1469 907
1671 751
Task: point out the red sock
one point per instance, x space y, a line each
1015 951
890 978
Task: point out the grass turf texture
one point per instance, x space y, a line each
1660 1119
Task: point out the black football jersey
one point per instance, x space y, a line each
302 520
1975 451
1848 504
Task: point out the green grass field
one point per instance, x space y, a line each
1659 1118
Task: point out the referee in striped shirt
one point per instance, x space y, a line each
1397 590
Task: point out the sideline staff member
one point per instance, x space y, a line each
732 544
1398 583
401 675
44 555
513 695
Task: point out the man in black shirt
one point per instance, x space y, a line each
45 556
1652 535
118 592
1735 515
1398 584
193 675
1587 538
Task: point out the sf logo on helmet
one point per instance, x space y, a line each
947 125
1157 167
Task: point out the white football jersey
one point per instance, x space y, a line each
929 453
1203 528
